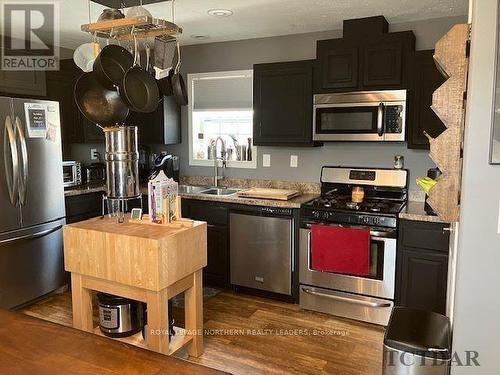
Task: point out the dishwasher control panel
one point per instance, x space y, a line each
276 211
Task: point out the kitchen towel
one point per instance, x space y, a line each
340 250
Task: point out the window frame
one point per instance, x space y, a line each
191 78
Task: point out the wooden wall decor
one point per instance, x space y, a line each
448 102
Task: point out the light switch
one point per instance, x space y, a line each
294 161
266 160
94 155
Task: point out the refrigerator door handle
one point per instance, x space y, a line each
32 235
12 168
23 184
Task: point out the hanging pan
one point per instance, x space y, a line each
112 64
178 85
139 89
97 103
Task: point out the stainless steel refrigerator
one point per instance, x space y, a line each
32 211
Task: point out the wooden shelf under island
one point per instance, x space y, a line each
146 263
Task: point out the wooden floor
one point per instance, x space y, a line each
267 337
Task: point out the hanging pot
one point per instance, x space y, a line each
98 104
139 89
112 64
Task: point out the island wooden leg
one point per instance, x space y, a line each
194 314
157 305
82 304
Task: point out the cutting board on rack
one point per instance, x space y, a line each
266 193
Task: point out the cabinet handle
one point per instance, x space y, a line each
447 229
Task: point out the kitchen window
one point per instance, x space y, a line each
221 105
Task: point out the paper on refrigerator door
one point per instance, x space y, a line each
36 119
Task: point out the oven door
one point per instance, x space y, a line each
381 281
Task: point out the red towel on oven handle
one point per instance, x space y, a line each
340 250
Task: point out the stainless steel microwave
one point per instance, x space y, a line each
360 116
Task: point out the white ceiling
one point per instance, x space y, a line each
263 18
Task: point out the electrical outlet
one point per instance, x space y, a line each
266 160
294 161
94 155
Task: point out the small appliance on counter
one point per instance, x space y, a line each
169 164
72 173
95 173
119 317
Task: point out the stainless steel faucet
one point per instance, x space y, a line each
223 153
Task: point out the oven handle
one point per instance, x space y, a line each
347 299
380 120
374 234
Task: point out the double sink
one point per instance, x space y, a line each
204 190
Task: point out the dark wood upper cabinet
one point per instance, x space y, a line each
25 83
282 100
60 86
338 64
162 126
422 118
422 265
366 58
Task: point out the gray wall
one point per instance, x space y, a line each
477 306
243 54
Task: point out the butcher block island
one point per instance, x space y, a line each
146 262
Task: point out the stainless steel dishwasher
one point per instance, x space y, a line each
261 248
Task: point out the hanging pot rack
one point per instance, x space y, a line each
130 28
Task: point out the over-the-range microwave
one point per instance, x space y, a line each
360 116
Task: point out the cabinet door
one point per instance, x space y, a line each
338 65
423 280
83 207
422 118
216 272
60 85
283 103
382 64
91 132
26 83
162 126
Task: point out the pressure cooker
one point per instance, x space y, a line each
119 317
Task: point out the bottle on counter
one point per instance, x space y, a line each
249 150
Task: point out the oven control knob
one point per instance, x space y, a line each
376 220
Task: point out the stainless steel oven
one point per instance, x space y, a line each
360 116
367 298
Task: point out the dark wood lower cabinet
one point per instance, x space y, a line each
422 272
216 273
83 207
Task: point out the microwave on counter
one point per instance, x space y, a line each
72 173
360 116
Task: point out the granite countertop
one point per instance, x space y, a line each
292 203
84 189
415 211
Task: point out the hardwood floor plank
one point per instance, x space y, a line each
350 348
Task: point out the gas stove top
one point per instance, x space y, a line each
385 195
333 202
